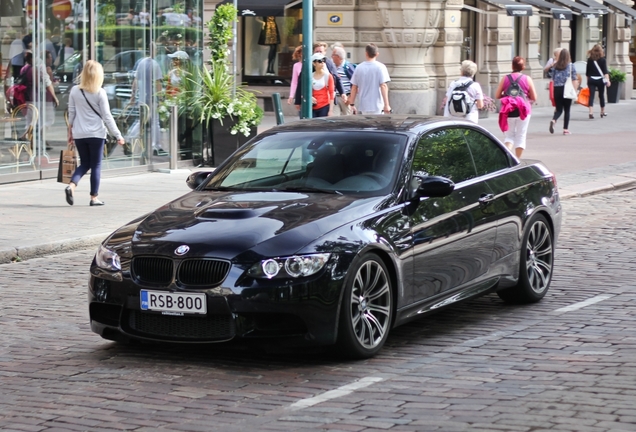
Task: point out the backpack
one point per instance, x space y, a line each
514 89
460 103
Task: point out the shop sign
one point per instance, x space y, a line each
561 14
335 19
32 8
518 11
62 9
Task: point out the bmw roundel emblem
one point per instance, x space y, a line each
182 250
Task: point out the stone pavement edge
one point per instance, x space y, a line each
598 157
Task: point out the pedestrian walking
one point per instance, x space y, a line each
321 48
146 88
597 77
88 117
469 89
345 71
562 70
297 56
369 85
32 94
322 84
547 69
517 94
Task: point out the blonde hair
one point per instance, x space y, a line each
92 76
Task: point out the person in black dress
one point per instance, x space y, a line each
597 77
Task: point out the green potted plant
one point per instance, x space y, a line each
617 78
228 112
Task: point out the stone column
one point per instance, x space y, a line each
618 38
409 29
446 54
498 38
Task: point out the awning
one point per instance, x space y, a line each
261 8
621 8
585 11
511 7
593 4
559 13
524 8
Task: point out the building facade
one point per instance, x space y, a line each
422 42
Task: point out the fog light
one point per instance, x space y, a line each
102 290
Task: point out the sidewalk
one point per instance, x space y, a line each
36 221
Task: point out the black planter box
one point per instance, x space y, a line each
220 143
614 92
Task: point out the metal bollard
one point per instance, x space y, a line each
174 136
278 108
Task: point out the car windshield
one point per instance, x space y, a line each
335 162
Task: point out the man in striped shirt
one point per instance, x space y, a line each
345 71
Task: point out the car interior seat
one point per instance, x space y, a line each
328 164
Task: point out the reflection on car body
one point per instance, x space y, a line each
332 231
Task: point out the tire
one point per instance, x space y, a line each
535 264
367 308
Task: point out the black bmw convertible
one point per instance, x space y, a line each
332 231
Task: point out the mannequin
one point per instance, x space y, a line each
271 37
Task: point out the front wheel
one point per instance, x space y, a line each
536 264
367 308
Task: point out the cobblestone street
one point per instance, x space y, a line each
559 365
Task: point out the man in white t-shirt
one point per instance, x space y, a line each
369 85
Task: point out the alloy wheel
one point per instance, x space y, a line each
370 304
539 257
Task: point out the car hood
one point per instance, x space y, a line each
225 225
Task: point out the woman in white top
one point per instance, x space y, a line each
88 116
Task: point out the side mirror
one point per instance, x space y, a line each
435 187
195 179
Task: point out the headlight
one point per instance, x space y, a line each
294 267
107 259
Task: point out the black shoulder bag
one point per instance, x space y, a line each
111 141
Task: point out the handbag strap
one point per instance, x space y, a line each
108 133
89 104
598 68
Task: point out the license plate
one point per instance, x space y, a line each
173 303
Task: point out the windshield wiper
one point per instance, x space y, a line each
307 189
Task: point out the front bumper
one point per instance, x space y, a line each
303 312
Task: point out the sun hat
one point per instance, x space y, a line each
317 56
181 55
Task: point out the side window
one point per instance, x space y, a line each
444 153
488 156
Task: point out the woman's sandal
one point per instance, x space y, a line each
603 115
592 115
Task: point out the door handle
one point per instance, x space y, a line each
486 199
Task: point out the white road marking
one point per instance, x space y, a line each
579 305
339 392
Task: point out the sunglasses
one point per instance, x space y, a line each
319 61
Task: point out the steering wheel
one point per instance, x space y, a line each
375 176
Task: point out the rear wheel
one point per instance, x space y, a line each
367 308
536 264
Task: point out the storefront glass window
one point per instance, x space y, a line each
59 35
268 46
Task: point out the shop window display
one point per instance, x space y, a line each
268 44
